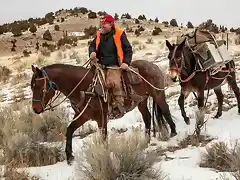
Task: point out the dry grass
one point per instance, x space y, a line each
14 174
41 58
193 140
200 120
39 128
123 158
222 158
21 131
135 42
4 73
19 78
21 151
150 41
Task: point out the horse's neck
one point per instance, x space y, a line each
66 80
189 63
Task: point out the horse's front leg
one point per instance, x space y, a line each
102 121
200 99
220 97
70 130
181 99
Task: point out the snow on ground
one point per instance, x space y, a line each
184 165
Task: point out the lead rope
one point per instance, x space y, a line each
85 107
156 88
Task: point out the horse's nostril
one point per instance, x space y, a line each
35 110
174 79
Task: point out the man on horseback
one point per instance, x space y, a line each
112 49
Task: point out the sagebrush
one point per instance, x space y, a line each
124 157
21 134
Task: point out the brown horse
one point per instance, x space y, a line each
183 64
64 78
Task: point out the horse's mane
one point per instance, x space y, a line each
63 66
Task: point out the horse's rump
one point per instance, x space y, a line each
151 72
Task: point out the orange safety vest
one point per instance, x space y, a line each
117 40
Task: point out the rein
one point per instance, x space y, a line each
95 78
51 83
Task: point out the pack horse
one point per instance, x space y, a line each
201 63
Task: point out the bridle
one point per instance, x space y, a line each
51 85
176 60
179 69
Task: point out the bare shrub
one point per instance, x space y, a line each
126 16
135 42
190 25
20 134
116 16
142 17
19 78
21 151
38 128
218 156
166 23
56 27
209 25
237 40
129 29
149 41
137 32
16 30
123 158
33 28
47 35
194 140
101 13
90 31
156 31
200 116
45 52
92 15
26 53
174 23
137 21
14 174
4 73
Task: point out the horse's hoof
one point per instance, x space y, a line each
187 120
173 134
70 159
217 116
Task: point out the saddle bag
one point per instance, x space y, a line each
132 77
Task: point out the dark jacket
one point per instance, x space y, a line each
107 50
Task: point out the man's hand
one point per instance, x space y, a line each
93 55
124 66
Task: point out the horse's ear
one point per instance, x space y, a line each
168 44
36 70
182 44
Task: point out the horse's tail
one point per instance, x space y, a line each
157 112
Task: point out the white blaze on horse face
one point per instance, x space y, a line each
173 73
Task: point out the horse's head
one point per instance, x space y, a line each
175 57
42 88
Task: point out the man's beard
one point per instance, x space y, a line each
106 30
